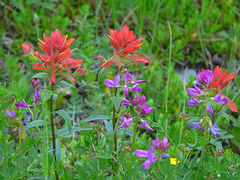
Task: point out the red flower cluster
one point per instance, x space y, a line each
56 55
219 82
124 43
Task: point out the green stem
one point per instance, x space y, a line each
123 137
53 132
169 65
134 136
204 140
114 124
158 167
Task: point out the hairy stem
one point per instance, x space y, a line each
53 132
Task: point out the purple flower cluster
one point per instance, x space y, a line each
204 78
24 122
160 146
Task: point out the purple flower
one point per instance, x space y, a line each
9 130
151 156
125 103
36 94
22 104
125 121
194 91
164 144
156 143
24 123
210 109
165 156
145 109
204 78
128 78
220 100
144 124
125 89
35 83
215 130
136 89
193 102
11 114
195 125
111 83
1 63
138 100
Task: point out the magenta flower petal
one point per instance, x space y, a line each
117 79
165 156
141 153
11 114
210 109
1 63
36 94
22 104
215 130
144 124
194 91
136 89
193 102
219 99
156 143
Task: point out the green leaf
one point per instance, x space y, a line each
102 74
66 117
41 76
36 177
45 94
116 102
105 156
65 84
65 131
36 123
130 133
231 33
224 34
82 173
96 117
58 150
109 127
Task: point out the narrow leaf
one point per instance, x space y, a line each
65 131
65 84
96 117
116 102
45 94
66 117
41 76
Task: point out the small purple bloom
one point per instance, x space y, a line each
125 121
136 89
111 83
22 104
144 124
165 156
11 114
125 89
151 156
145 109
215 130
125 103
193 102
195 125
9 131
36 94
164 144
35 83
204 77
1 63
210 109
220 100
194 91
156 143
128 78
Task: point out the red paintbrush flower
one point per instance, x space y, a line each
124 43
220 79
56 54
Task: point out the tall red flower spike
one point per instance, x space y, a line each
220 79
219 82
124 43
56 55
